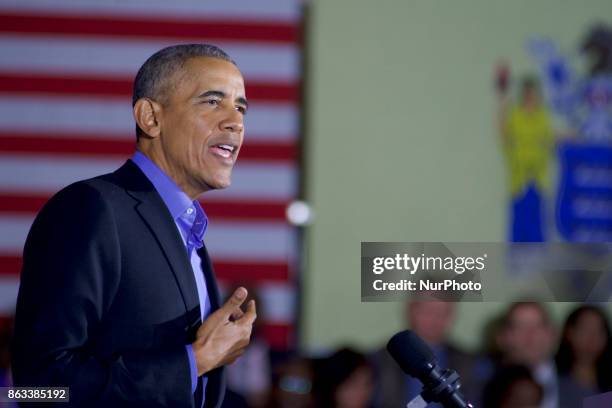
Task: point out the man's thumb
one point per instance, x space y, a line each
237 298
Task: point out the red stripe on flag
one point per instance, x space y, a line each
279 336
10 264
140 28
230 271
37 83
98 145
6 324
244 272
21 203
60 145
245 210
217 210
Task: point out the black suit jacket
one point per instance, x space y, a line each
108 300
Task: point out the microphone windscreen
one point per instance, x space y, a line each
411 353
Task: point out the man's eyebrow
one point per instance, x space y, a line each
242 101
206 94
220 94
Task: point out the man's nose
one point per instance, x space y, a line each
234 122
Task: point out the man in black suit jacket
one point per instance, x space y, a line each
108 303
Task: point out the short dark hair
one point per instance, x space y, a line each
499 387
333 371
153 76
513 307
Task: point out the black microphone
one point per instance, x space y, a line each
417 360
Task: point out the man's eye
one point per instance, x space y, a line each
212 102
241 109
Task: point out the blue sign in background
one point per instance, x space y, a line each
584 204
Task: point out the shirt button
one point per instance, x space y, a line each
189 210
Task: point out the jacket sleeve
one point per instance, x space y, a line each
71 271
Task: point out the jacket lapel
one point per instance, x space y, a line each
156 215
211 282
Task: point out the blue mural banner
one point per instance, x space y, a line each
584 202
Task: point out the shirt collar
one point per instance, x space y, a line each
175 199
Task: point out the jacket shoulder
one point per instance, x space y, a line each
90 191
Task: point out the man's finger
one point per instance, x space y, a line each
234 301
221 315
251 313
237 314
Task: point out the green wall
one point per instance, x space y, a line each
401 143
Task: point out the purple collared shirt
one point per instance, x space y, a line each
191 222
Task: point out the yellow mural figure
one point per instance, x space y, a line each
528 143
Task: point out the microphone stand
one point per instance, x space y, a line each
444 389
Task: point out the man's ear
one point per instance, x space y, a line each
147 114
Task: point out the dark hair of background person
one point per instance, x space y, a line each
498 390
332 372
509 315
565 355
490 331
154 76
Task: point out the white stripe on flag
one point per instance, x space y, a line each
261 241
85 115
44 174
14 231
257 241
279 302
122 58
9 286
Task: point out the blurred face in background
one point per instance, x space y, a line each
356 391
431 319
528 337
588 337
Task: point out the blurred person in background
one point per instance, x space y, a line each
292 384
431 319
513 387
250 375
528 142
343 380
527 337
584 358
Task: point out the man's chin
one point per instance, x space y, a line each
218 184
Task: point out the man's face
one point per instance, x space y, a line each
202 124
528 339
431 319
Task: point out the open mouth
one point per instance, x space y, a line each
224 150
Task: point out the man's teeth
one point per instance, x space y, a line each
224 150
227 147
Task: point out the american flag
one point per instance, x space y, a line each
66 71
